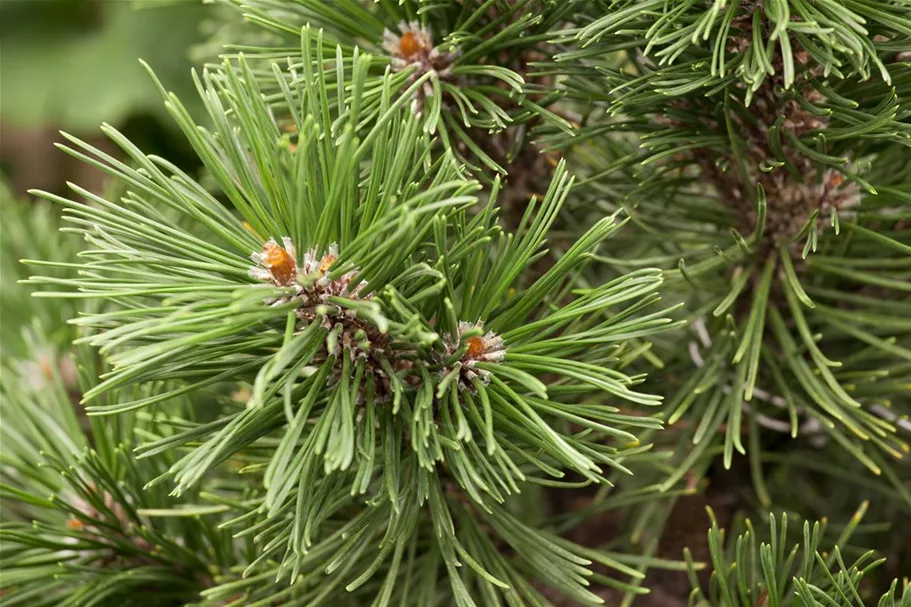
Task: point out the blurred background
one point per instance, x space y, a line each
72 64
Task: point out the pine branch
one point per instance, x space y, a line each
79 526
481 66
774 198
807 574
404 375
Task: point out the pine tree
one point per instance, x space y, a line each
406 339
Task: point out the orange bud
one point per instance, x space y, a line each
278 262
74 524
409 45
475 347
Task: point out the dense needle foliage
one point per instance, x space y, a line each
469 302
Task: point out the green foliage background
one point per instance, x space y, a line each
73 62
